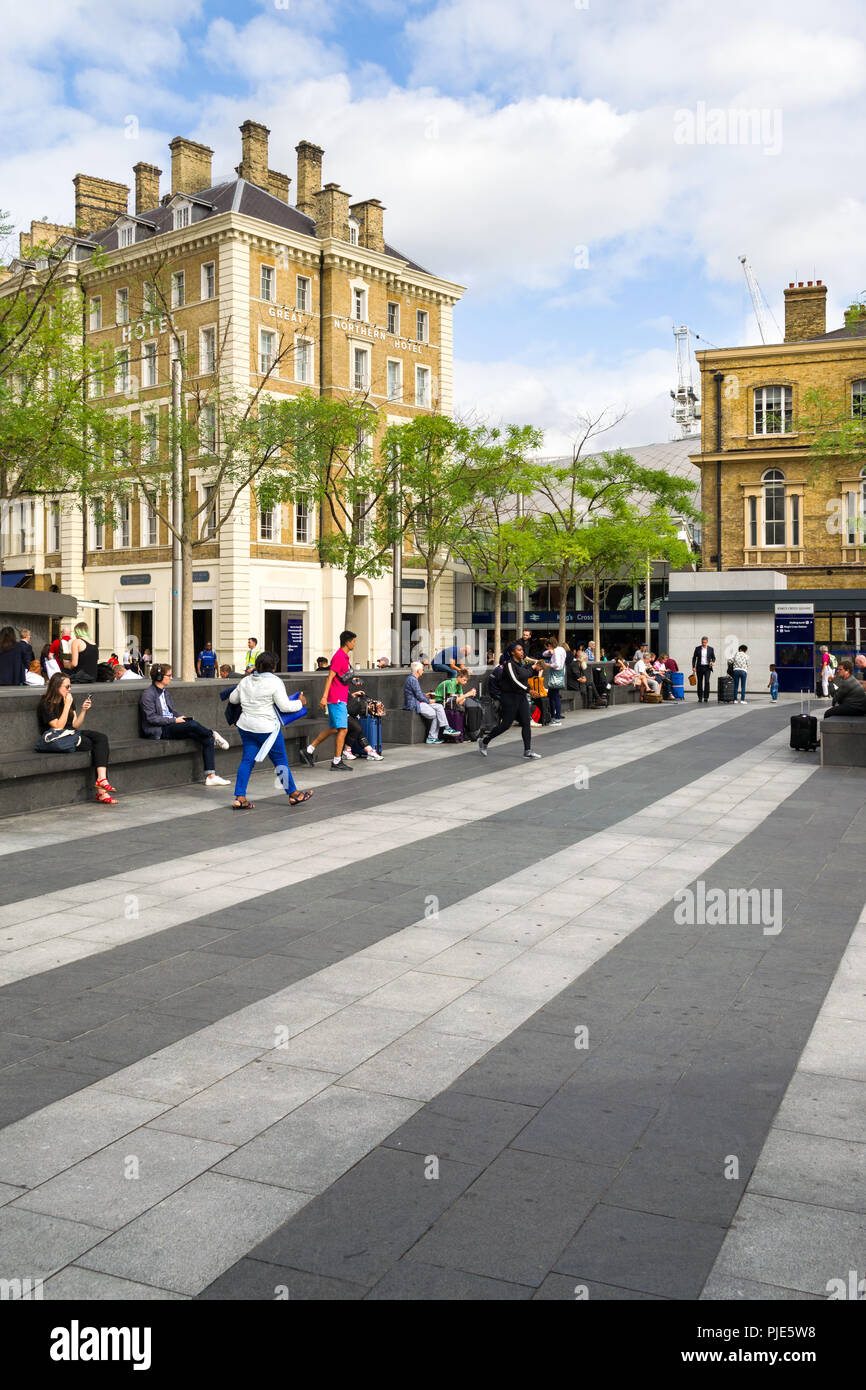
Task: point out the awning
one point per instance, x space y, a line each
10 579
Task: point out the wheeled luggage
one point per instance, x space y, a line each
371 727
726 690
804 730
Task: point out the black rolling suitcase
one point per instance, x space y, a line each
804 730
726 690
473 719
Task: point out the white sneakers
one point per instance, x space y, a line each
372 756
213 780
219 740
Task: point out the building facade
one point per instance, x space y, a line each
249 277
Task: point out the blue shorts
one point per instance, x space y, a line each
338 714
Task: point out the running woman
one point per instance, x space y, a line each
514 701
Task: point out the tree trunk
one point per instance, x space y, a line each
188 638
596 617
497 623
563 605
349 615
431 607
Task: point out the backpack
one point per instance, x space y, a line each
494 683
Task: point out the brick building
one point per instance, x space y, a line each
253 272
767 504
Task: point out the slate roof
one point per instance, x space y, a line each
238 195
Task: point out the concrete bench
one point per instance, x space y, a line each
843 741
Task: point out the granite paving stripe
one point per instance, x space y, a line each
658 1202
76 851
191 1066
99 1049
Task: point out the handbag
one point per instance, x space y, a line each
556 680
693 680
58 741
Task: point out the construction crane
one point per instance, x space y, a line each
763 312
687 409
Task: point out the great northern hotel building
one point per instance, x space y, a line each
248 270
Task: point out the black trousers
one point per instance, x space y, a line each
511 708
96 744
190 728
703 675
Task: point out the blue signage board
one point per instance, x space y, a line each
795 646
295 644
135 579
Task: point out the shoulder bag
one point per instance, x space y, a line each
58 741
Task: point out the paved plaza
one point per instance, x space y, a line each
453 1029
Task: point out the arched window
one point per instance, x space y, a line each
774 506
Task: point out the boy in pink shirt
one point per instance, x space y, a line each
334 698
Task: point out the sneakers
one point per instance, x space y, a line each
450 733
347 753
372 756
437 741
341 766
219 740
482 747
306 756
212 780
556 723
529 754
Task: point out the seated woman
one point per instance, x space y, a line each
623 673
85 656
261 731
56 710
13 669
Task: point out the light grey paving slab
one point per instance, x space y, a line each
347 1039
177 1072
44 1143
791 1245
418 1065
472 959
8 1193
320 1140
480 1014
837 1047
727 1289
164 1247
33 1246
249 1101
824 1105
418 991
84 1285
270 1022
126 1178
538 974
812 1168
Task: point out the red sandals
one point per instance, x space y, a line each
103 792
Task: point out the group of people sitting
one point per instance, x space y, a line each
648 673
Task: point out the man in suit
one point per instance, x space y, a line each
159 719
703 661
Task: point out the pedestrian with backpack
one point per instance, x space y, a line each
514 700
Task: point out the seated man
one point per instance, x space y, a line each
415 699
849 697
159 719
646 683
322 663
124 674
450 659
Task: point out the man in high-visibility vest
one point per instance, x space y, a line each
252 653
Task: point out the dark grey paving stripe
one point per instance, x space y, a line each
115 1007
78 862
602 1167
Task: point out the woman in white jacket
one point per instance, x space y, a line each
260 695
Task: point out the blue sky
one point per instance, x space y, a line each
580 167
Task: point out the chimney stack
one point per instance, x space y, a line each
254 153
309 176
41 234
146 187
278 185
805 311
98 202
332 212
190 165
368 215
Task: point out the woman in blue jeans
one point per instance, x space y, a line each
740 671
260 728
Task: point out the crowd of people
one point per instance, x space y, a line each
525 686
